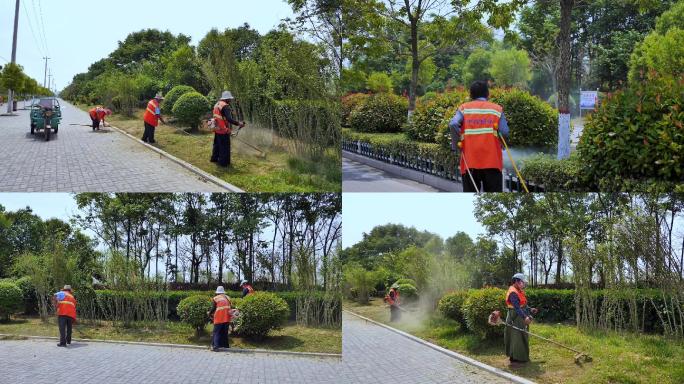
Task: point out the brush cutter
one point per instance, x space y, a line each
495 320
477 190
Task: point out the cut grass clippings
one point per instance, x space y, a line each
291 337
617 357
278 171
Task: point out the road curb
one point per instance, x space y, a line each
205 176
457 356
409 174
184 346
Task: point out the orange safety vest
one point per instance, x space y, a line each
390 300
521 297
97 113
222 314
222 125
67 307
480 131
151 116
250 290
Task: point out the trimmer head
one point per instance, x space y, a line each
495 318
582 358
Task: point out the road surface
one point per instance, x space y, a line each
357 177
80 160
372 354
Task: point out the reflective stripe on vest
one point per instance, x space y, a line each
222 314
481 147
151 116
222 125
67 307
521 297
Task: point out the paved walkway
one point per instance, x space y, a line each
357 177
80 160
372 354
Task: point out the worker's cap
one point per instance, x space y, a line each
519 276
243 282
395 286
159 96
220 289
227 95
66 288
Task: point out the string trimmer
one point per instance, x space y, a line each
465 162
495 320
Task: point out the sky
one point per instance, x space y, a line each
443 214
45 205
77 33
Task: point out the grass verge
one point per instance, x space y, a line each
291 337
618 357
278 171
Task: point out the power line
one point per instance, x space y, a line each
42 21
38 24
35 40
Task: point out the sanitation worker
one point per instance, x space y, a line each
152 118
97 115
221 315
475 129
246 288
223 128
517 343
65 303
392 298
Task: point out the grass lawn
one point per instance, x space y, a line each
279 171
291 338
618 358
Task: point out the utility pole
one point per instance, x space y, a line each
45 78
10 97
49 83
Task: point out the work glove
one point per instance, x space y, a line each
528 320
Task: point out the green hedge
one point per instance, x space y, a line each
478 306
553 175
380 113
190 108
431 114
636 136
349 103
451 306
260 313
193 311
10 300
174 94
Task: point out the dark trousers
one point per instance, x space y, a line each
148 136
65 323
487 180
96 123
395 313
221 152
219 337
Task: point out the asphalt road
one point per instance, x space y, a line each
357 177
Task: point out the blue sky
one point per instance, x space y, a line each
45 205
78 32
443 214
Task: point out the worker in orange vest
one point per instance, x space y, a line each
65 302
392 298
246 288
475 129
221 314
223 129
152 118
519 315
97 115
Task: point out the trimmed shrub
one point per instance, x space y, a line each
555 305
193 310
636 136
174 94
190 108
451 306
10 300
430 115
533 122
405 280
553 175
28 293
349 104
408 292
380 113
260 313
477 308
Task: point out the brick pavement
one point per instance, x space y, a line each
371 355
80 160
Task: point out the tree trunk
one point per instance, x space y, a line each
564 79
415 66
559 263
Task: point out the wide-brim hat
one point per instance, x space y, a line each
66 288
395 286
227 95
519 276
220 289
243 282
159 96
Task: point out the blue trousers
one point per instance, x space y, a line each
219 337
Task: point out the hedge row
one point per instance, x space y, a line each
471 308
